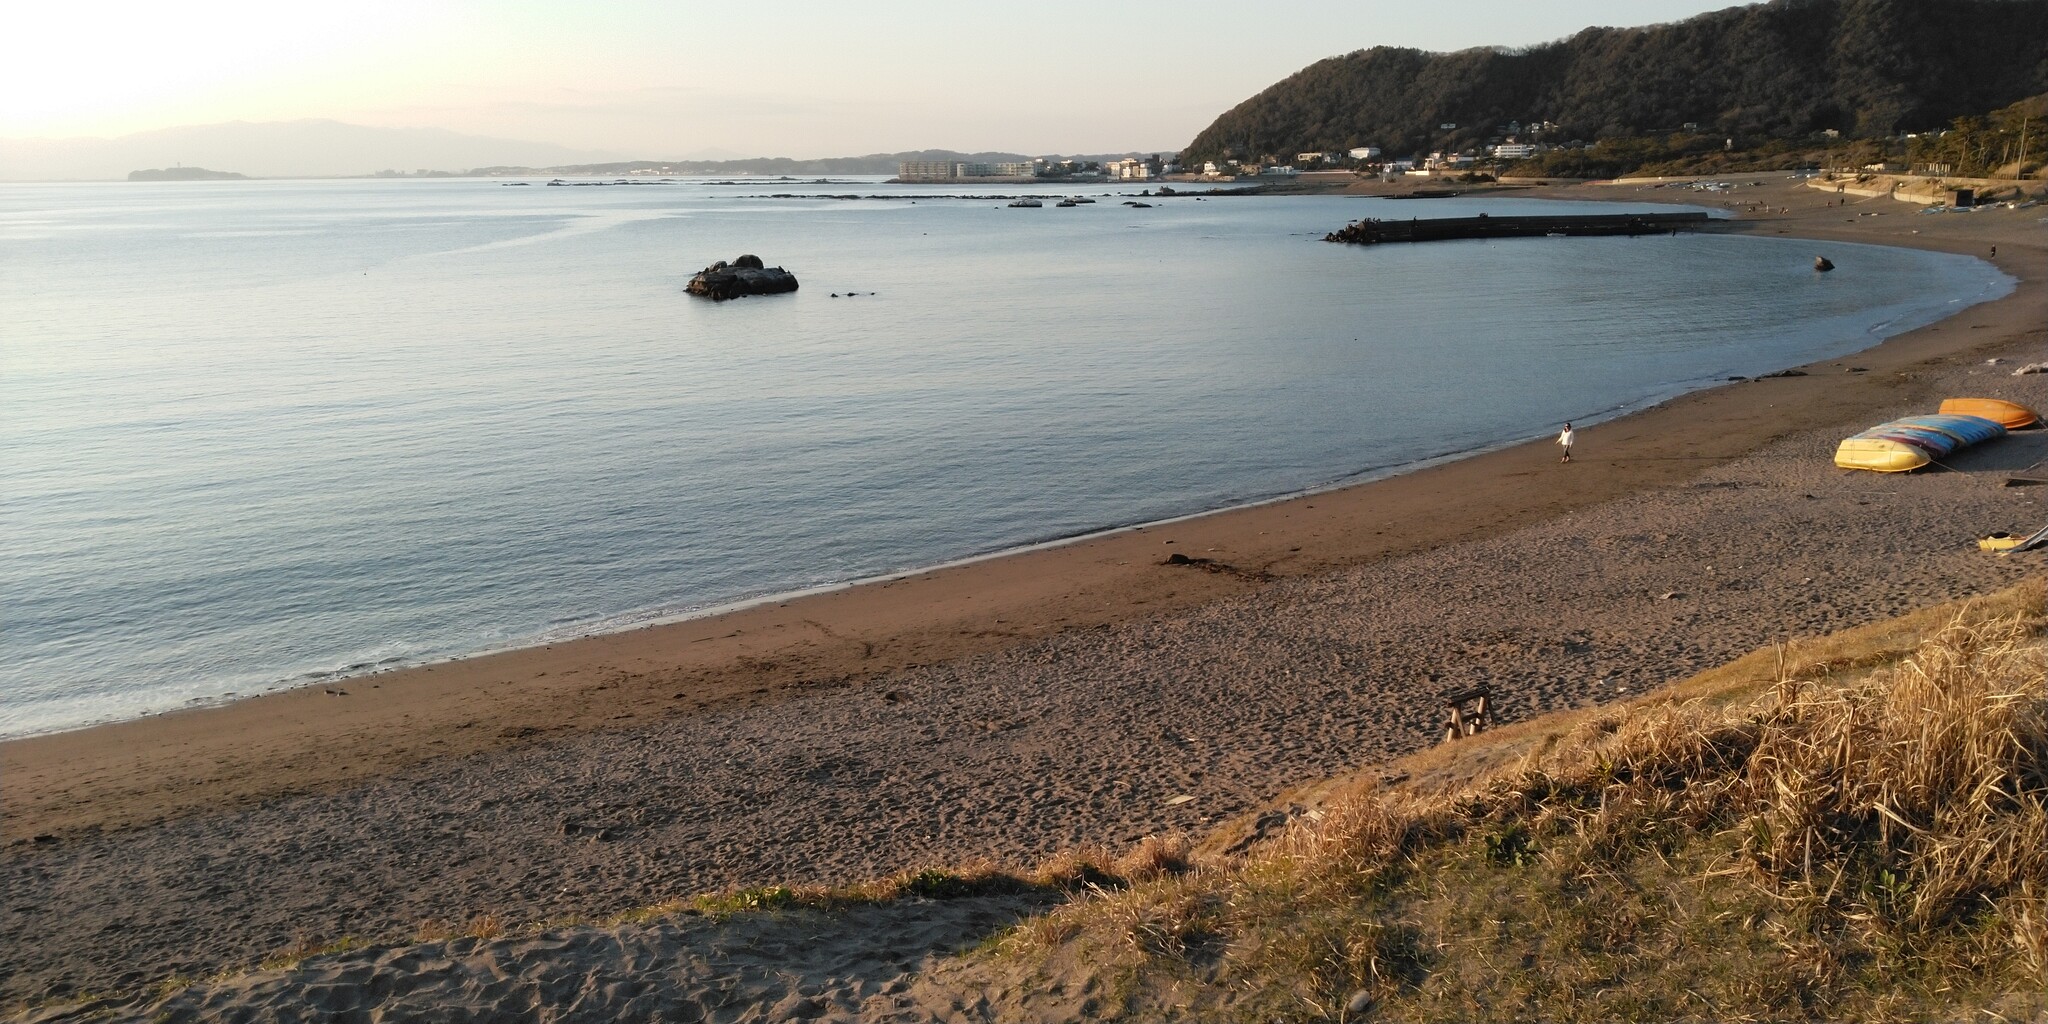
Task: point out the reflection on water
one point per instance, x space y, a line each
256 431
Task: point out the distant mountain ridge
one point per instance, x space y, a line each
275 149
319 148
873 163
1777 70
184 174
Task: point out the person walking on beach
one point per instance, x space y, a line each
1564 439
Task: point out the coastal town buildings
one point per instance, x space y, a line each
945 170
925 170
1140 168
1128 170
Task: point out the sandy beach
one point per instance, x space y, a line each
1014 706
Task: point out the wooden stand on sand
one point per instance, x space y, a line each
1469 722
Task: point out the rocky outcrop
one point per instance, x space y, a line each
744 276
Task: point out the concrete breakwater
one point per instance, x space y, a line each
1374 232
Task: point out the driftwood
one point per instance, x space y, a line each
1471 713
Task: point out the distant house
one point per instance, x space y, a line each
1514 151
925 170
1365 153
1281 170
1211 168
1313 158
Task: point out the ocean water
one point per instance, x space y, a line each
254 434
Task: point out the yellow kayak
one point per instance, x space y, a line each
1879 455
2010 415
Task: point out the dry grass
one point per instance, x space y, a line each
305 947
1855 827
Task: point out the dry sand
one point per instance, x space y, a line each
1016 706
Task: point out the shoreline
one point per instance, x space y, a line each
634 620
1095 693
769 647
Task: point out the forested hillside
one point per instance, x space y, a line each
1779 70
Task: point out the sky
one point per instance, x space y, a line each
677 78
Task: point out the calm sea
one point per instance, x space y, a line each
256 433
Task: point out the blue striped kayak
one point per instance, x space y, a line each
1933 442
1964 428
1907 444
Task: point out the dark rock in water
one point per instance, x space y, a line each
1821 263
743 276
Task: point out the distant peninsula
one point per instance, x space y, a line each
184 174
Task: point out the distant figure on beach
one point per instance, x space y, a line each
1564 439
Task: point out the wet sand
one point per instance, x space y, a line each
1014 706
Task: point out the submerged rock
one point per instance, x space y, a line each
743 276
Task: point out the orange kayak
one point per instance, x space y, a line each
2011 415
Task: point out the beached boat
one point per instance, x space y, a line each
1966 429
2010 415
1935 443
1880 455
1907 444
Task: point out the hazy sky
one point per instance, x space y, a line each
664 78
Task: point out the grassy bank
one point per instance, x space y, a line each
1853 828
